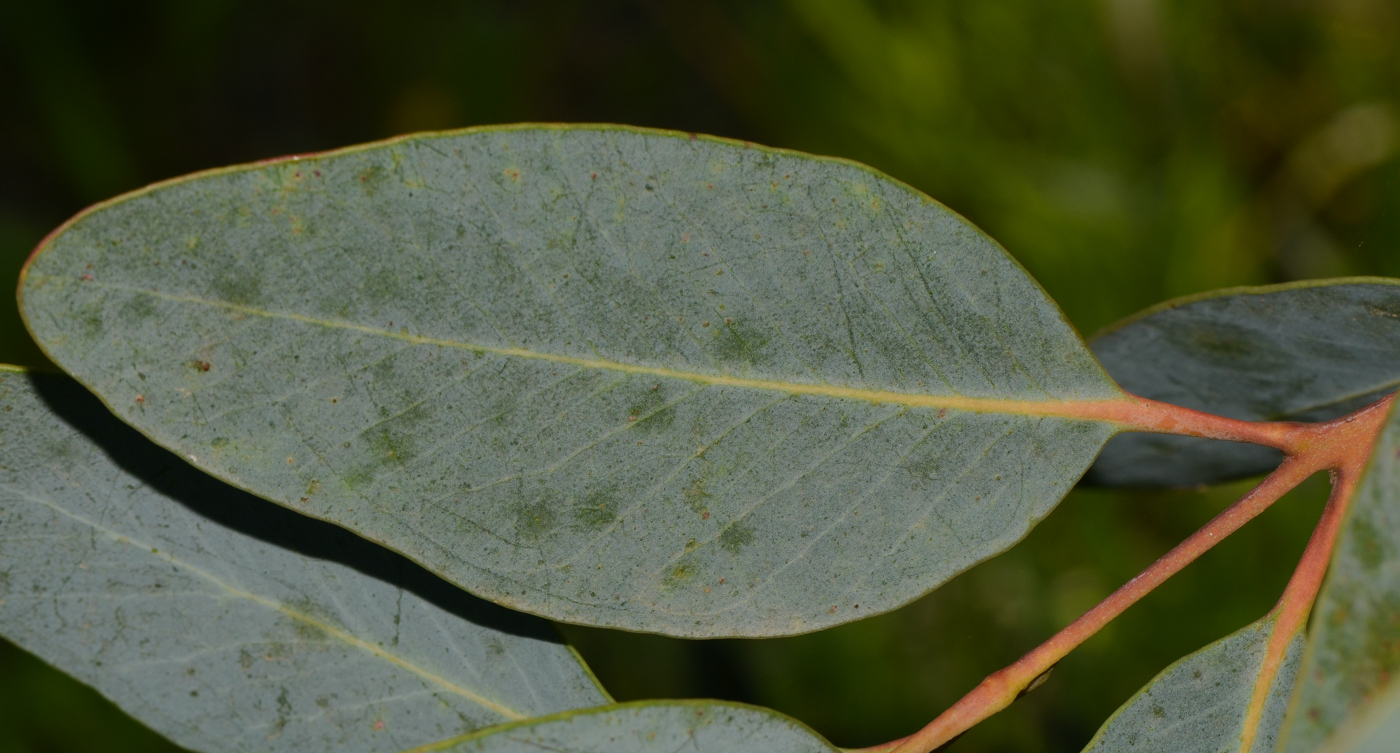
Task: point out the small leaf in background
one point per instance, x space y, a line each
1199 704
229 624
1354 643
1308 351
649 727
617 377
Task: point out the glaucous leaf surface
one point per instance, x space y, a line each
1373 731
230 624
1354 647
649 727
618 377
1199 704
1307 351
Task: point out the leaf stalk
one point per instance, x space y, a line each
1341 446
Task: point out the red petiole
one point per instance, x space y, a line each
1340 446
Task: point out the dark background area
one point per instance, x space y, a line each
1125 151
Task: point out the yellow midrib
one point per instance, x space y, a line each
1081 409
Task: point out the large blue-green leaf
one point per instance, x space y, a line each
229 624
619 377
1353 656
1200 703
1306 351
647 727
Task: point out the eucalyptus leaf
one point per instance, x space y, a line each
1354 648
627 378
1199 704
230 624
648 727
1373 731
1305 351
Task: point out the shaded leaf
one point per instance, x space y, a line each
611 376
1199 704
1306 351
1354 643
649 727
229 624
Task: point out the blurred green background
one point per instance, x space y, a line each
1124 150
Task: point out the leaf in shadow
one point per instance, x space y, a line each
228 623
1304 351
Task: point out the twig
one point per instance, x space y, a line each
1342 445
1001 688
1291 612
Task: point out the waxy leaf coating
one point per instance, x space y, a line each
1307 351
1199 704
626 378
229 624
649 727
1353 654
1375 730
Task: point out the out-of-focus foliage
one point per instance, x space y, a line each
1125 151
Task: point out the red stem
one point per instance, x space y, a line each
1291 612
1001 688
1143 414
1342 445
